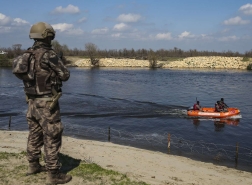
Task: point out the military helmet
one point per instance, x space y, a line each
41 30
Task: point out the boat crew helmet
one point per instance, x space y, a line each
41 30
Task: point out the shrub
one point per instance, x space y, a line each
249 67
245 59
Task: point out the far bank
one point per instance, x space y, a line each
212 62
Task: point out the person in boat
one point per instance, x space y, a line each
197 106
218 107
223 105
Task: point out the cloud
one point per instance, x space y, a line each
4 20
7 24
246 9
69 9
116 35
205 37
67 28
5 29
129 17
100 31
19 22
163 36
120 27
83 19
228 38
62 26
225 30
186 34
236 21
77 31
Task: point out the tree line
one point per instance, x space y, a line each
92 51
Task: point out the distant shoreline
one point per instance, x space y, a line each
208 62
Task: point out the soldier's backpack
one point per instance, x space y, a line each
23 66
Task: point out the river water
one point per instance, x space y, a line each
142 107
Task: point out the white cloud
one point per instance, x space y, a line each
5 29
120 27
77 31
67 28
246 9
83 19
62 26
236 21
19 22
116 35
4 20
69 9
129 17
163 36
206 37
228 38
185 34
100 31
7 24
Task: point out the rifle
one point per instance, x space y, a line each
55 100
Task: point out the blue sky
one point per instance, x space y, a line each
212 25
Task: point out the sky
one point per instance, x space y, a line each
204 25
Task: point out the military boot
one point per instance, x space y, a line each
55 177
35 167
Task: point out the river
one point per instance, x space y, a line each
142 107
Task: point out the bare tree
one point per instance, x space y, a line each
152 59
56 46
61 51
17 49
91 50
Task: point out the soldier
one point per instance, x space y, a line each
42 93
197 106
223 105
218 107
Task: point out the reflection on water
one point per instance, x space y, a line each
228 121
218 124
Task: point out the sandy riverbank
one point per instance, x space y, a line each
148 166
209 62
212 62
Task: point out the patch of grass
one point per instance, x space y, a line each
170 59
245 59
7 156
13 167
91 172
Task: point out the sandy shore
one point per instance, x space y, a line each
148 166
209 62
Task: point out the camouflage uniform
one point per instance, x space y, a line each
45 127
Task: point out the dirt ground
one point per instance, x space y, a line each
152 167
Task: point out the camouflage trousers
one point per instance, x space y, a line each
45 129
